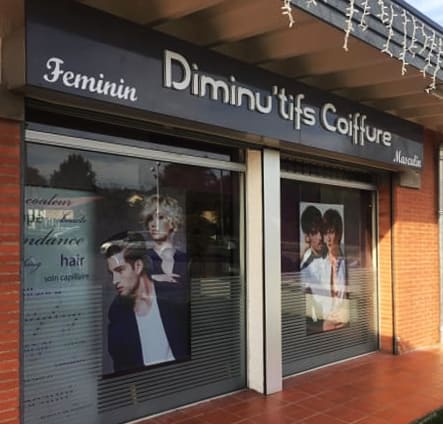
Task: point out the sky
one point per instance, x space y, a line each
431 8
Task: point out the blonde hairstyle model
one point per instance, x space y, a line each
168 206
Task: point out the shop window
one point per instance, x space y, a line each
328 280
132 285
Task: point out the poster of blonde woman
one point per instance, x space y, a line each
323 266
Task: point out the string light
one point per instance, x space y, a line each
287 10
427 39
350 11
413 44
383 15
366 12
390 29
417 38
430 54
437 67
405 42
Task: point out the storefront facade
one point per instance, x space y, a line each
253 226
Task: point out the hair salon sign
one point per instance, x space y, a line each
158 74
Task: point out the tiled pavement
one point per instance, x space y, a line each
375 389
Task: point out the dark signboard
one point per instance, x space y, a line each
75 50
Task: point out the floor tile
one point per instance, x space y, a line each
373 389
193 420
219 416
347 414
299 412
318 403
322 419
292 394
372 420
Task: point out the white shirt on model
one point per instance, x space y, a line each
155 345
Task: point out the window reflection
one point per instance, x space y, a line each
120 185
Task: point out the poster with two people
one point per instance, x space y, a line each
323 266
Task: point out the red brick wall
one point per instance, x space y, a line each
385 266
10 135
416 257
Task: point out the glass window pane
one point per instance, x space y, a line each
328 286
121 252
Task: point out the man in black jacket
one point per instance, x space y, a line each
148 321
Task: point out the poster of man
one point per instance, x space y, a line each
148 319
323 266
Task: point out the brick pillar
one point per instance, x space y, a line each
10 136
385 266
416 256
